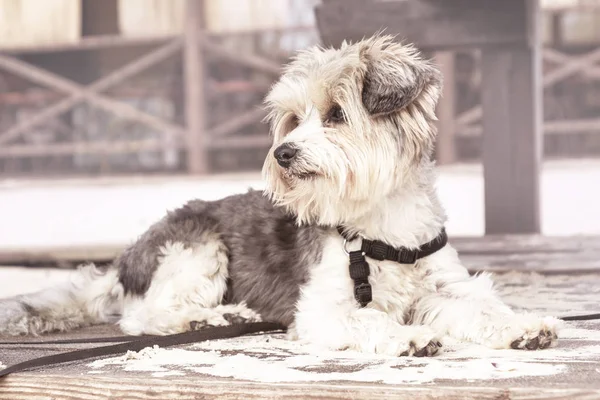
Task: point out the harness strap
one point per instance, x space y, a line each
359 272
219 332
378 250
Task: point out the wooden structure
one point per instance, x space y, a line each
570 58
189 130
507 32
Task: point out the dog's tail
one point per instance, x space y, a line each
91 296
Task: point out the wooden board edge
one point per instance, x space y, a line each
33 386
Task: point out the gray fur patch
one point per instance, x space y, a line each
387 89
269 255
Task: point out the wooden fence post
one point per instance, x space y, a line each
194 88
512 138
446 147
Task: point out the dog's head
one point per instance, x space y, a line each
348 125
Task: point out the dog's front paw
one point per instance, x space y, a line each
539 333
541 340
417 341
529 332
241 318
212 322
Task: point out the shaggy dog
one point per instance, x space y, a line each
353 133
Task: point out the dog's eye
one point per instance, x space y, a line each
294 121
335 115
291 123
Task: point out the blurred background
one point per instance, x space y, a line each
68 45
84 41
113 111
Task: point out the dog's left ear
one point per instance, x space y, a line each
395 77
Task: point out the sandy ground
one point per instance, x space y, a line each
115 211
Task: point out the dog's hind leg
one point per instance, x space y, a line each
225 314
90 296
186 292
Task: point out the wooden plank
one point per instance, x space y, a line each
572 66
531 253
512 140
241 142
237 122
111 41
60 256
252 61
588 69
31 386
89 43
573 126
111 147
446 147
498 253
195 107
431 24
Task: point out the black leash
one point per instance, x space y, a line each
585 317
135 343
107 339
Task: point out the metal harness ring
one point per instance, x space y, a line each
346 250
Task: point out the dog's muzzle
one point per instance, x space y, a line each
285 154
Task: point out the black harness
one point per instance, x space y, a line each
378 250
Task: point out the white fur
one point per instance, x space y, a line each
188 286
437 296
468 308
89 297
373 174
437 292
328 315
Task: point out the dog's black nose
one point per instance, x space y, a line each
285 154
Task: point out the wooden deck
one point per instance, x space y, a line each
557 276
495 253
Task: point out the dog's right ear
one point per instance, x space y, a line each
395 76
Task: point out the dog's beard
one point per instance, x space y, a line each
305 188
332 185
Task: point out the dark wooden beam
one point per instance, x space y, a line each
512 139
431 24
